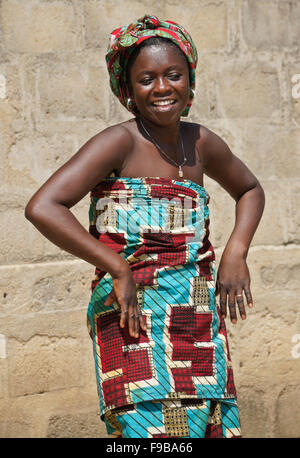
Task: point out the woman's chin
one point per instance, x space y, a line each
163 115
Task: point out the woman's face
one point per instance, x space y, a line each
160 84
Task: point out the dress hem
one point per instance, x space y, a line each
224 398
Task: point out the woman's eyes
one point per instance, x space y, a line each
171 76
144 82
175 76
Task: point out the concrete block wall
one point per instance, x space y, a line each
54 96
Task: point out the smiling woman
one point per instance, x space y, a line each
162 359
126 43
159 82
158 44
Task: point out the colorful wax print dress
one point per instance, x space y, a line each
180 366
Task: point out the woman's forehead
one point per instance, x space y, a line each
160 55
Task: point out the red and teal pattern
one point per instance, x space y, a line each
160 226
197 418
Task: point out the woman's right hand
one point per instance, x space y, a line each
124 291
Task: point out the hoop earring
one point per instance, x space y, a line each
129 103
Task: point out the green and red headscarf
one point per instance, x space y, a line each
125 39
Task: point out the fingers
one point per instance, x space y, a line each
132 316
124 291
110 298
248 297
231 306
240 302
135 321
124 316
133 324
236 301
223 302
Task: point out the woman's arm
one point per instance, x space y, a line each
49 211
49 208
233 175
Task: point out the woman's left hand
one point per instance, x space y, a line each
233 279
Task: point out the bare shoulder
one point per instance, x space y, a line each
200 136
106 151
223 166
209 139
95 160
116 139
213 149
198 131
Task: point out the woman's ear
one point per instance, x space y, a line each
129 103
192 94
129 95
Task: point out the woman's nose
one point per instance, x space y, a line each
162 86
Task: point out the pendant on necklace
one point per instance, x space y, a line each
180 171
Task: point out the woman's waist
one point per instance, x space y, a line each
147 266
158 247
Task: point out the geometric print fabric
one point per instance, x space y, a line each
162 419
161 228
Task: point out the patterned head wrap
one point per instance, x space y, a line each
125 39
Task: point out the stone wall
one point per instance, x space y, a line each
54 96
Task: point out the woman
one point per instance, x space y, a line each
161 353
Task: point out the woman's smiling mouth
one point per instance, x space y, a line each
164 105
164 102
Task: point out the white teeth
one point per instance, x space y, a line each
164 102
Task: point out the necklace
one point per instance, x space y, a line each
180 171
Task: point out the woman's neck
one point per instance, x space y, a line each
166 136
